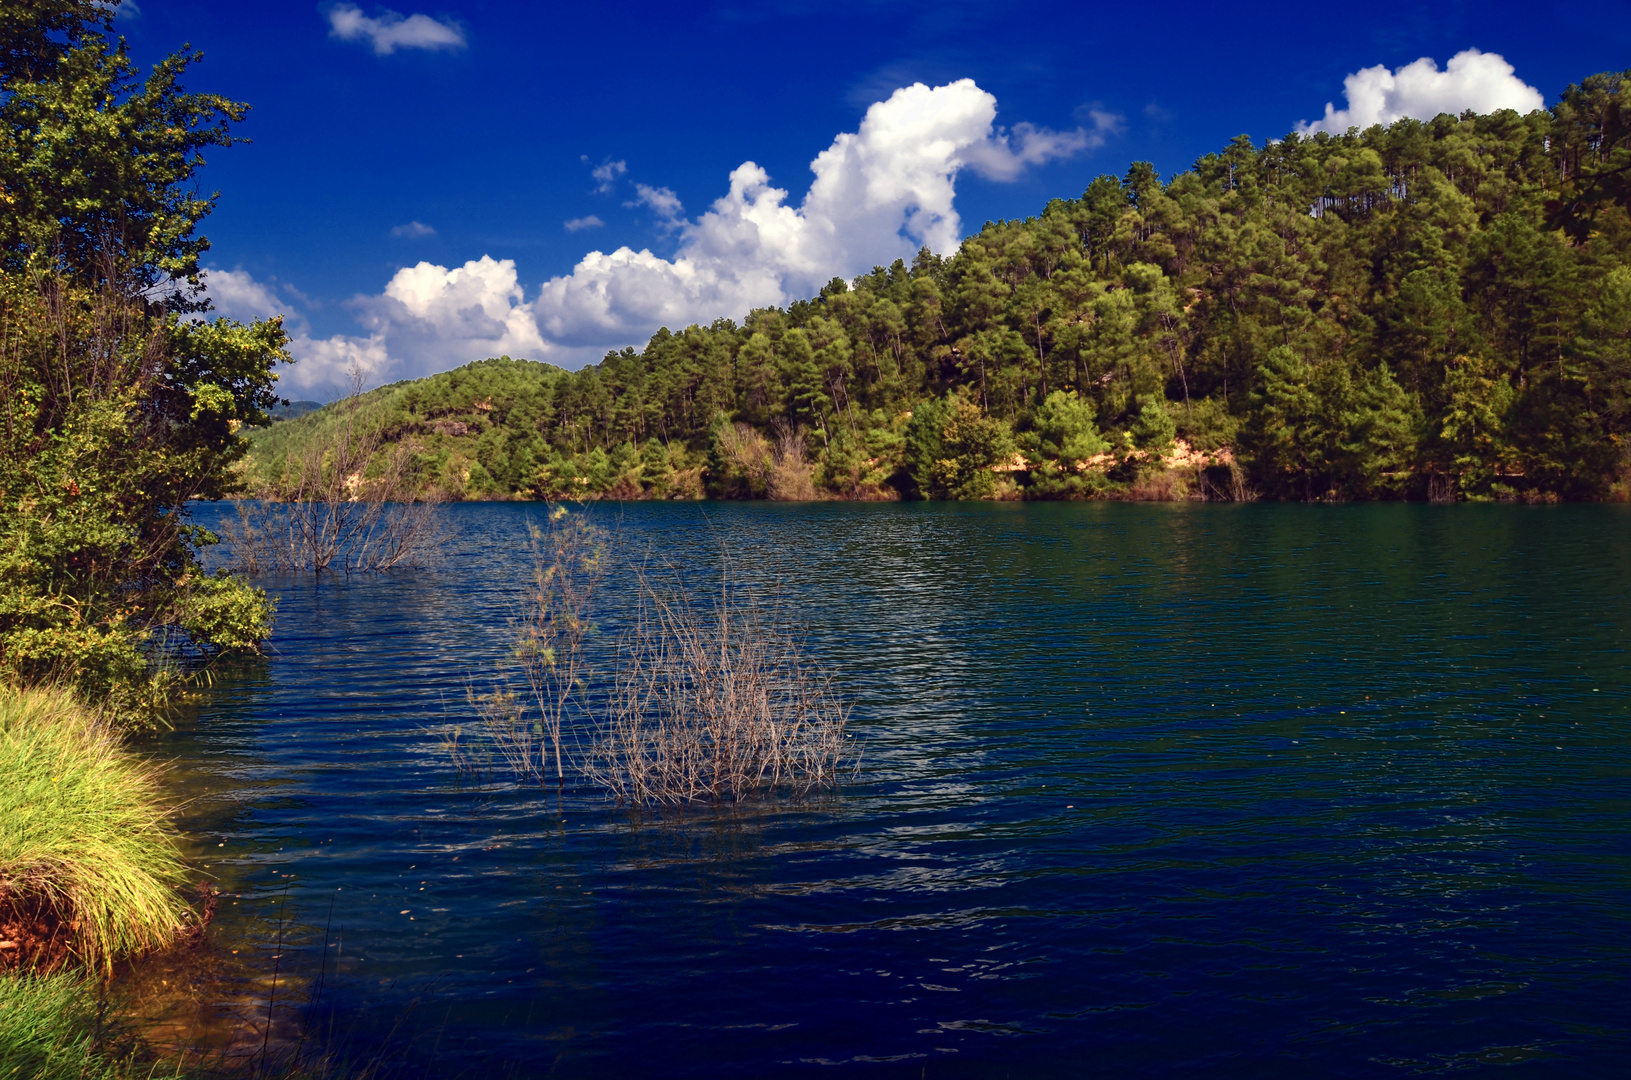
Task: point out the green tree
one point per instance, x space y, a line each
117 413
1062 440
970 444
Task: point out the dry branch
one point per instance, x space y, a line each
715 703
350 503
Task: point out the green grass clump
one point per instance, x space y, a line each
48 1030
82 828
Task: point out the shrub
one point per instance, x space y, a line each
715 703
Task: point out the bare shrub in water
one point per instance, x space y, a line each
346 502
525 731
715 703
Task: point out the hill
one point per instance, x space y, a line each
1432 309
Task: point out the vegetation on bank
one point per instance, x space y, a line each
1430 309
89 870
50 1029
120 403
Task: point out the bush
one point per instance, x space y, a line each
715 703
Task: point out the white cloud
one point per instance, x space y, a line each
428 319
392 31
237 295
123 9
1482 82
413 230
578 224
879 194
606 174
324 367
670 211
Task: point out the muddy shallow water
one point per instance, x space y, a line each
1145 790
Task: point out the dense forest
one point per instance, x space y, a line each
1435 309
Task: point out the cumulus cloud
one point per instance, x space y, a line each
413 230
606 174
1482 82
237 295
578 224
428 319
323 365
391 31
879 194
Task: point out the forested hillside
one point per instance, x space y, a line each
1437 309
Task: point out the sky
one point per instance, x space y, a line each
427 185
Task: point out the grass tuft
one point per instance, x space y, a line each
87 859
48 1029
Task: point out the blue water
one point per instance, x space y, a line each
1145 790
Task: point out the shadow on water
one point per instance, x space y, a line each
1216 790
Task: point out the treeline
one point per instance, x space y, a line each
1432 309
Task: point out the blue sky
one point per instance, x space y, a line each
396 149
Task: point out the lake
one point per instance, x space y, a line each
1144 789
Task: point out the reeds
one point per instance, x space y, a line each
715 702
88 866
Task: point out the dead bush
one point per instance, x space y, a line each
791 473
346 502
715 702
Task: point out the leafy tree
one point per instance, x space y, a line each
1155 429
117 412
970 444
1062 441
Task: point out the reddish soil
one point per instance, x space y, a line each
36 935
33 934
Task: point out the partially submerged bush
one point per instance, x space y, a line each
88 867
711 702
551 631
346 502
715 703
